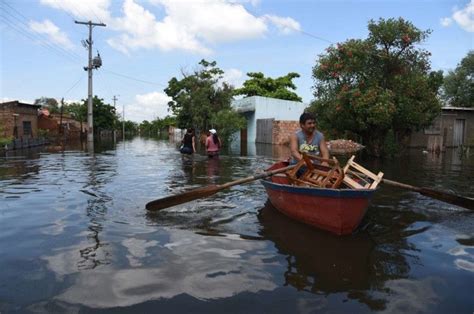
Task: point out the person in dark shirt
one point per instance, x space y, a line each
189 143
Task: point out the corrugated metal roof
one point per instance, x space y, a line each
17 103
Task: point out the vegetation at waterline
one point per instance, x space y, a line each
377 89
153 128
202 101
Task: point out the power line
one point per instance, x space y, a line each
315 37
45 45
74 85
133 79
35 34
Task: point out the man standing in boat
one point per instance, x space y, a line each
308 139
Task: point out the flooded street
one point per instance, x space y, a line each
75 237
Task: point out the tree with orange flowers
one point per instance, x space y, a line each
377 89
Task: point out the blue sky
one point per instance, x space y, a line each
147 42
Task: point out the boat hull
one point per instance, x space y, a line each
339 211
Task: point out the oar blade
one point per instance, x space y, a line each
182 198
450 198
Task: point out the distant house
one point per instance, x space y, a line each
51 122
19 120
269 120
454 127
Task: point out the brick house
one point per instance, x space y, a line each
19 120
70 127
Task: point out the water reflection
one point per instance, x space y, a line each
206 268
74 227
332 264
100 171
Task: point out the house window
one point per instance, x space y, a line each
434 128
27 128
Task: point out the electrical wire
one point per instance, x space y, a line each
74 85
47 46
38 36
133 79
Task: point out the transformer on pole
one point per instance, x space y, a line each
93 64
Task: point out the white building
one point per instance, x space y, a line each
262 112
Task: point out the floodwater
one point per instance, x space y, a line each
75 237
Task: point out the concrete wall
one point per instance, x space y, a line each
257 107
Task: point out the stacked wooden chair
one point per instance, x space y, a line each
357 177
309 172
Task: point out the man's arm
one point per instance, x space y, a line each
294 147
323 148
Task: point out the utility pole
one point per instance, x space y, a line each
92 65
123 122
115 107
115 99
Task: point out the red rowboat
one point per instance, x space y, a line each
339 211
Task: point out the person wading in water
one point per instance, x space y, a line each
213 144
189 146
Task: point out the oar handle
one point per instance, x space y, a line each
402 185
254 178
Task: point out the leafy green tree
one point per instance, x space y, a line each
49 103
369 89
130 127
156 126
458 86
259 85
198 97
146 128
105 116
77 110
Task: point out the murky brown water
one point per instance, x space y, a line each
75 237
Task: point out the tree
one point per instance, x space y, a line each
156 126
458 86
198 97
259 85
105 116
131 127
49 103
379 88
77 110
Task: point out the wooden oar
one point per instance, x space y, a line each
447 197
203 192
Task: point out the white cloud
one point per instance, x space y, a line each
446 21
192 26
286 25
93 10
188 25
52 32
148 107
234 77
463 17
